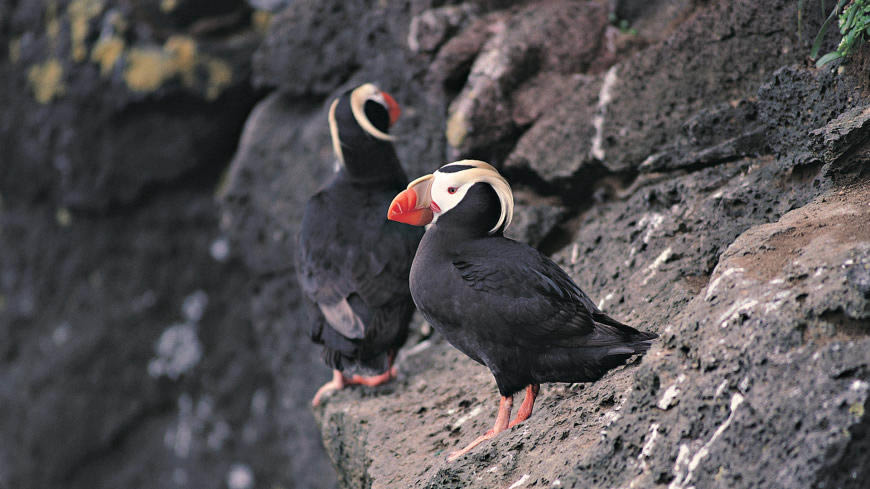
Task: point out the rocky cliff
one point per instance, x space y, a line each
682 159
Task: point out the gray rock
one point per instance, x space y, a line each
560 36
284 155
559 145
163 94
534 218
712 58
100 354
430 29
787 367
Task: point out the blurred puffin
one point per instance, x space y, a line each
352 263
503 303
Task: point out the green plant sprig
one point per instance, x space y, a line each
854 23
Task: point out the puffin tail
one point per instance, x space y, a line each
625 339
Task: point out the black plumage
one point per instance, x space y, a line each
352 263
506 305
509 307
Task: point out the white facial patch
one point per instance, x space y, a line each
448 189
441 189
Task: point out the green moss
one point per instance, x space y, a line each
857 409
854 24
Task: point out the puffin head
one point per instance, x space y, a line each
467 193
360 114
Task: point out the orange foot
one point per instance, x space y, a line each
501 424
340 381
501 421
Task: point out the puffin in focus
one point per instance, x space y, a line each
503 303
352 263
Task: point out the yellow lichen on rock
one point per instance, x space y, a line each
219 77
63 217
182 51
261 19
457 129
147 69
80 13
15 50
52 23
46 80
167 6
107 51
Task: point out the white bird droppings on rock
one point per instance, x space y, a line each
670 397
178 350
462 419
735 311
520 482
654 266
604 98
859 385
220 249
715 283
646 451
259 402
193 307
240 476
721 388
61 334
681 481
603 301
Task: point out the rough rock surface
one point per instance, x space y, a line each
723 210
682 159
127 357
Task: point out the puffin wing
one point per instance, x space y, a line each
350 267
535 302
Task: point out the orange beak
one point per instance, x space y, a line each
411 206
392 108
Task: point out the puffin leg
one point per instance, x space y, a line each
528 404
372 381
337 383
501 424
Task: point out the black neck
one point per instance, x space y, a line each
474 215
372 161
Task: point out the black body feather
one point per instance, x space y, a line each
352 263
509 307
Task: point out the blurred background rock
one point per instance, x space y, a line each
683 159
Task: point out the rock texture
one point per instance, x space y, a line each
128 357
682 159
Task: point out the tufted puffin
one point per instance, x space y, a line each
352 263
503 303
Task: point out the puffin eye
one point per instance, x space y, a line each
451 190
